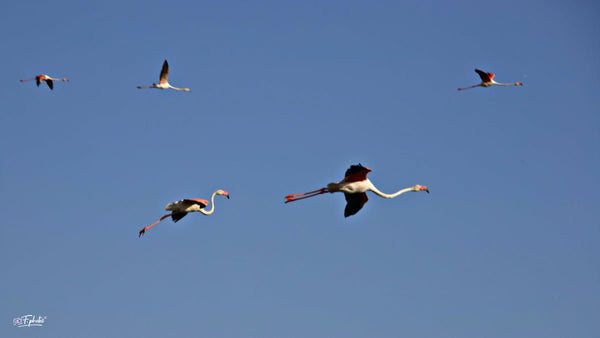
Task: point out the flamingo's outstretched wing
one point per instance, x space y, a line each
354 202
176 216
164 72
190 201
50 84
485 76
38 80
186 203
356 173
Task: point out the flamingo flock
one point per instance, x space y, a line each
354 185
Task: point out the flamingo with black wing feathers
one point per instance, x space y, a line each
354 186
49 80
487 80
163 82
183 207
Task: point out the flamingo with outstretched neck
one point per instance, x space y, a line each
354 186
487 80
164 80
181 208
49 80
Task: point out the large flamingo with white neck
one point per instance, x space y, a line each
49 80
487 80
163 82
181 208
354 186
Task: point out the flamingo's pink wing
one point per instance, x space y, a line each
356 173
191 201
485 76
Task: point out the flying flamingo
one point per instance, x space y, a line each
164 83
487 80
354 186
42 77
181 208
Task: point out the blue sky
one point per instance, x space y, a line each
285 96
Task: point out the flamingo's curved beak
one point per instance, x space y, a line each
424 188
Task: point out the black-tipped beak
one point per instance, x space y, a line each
227 196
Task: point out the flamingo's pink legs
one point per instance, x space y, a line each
477 85
153 224
291 198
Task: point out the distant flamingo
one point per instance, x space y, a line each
164 83
354 186
181 208
487 80
38 79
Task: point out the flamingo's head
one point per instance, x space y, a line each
186 89
222 192
518 83
420 188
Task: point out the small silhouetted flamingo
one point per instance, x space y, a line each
487 80
181 208
354 186
164 80
42 77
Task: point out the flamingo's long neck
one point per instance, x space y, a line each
212 206
53 79
384 195
504 84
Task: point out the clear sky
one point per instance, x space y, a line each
285 97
